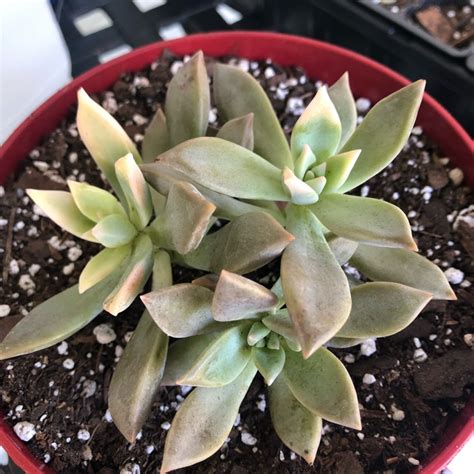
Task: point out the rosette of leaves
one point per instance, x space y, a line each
328 156
141 232
229 328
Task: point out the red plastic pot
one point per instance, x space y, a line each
320 60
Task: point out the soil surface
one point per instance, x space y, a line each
422 375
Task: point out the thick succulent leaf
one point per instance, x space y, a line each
207 281
93 202
159 202
204 421
341 96
239 131
402 266
161 178
383 133
365 220
209 360
102 265
188 101
114 230
305 160
60 207
236 94
338 169
269 362
103 136
258 331
135 275
344 342
316 290
343 249
381 309
187 216
297 190
242 246
182 310
237 297
323 385
319 127
135 189
280 323
226 168
156 139
295 425
56 319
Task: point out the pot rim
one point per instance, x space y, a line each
284 49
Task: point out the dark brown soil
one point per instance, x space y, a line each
60 401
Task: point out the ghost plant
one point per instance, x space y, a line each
142 232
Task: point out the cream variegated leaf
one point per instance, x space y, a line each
381 309
156 139
319 127
95 203
365 220
182 310
236 297
101 265
341 96
402 266
60 207
114 231
338 169
204 421
135 189
188 101
269 362
135 275
295 425
236 94
239 130
323 385
226 168
316 290
208 360
103 136
383 133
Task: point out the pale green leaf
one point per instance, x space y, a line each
344 342
341 96
316 290
338 169
269 362
319 127
182 310
135 275
135 189
237 93
257 332
280 323
188 101
273 341
242 246
402 266
295 425
204 421
95 203
305 160
297 190
60 207
381 309
208 360
365 220
56 319
156 139
236 297
101 265
226 168
343 249
103 136
114 230
323 385
383 133
238 130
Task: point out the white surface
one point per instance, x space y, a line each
463 463
34 62
146 5
92 22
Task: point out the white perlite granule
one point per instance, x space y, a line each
369 379
454 275
104 334
24 430
420 355
166 425
4 310
368 347
363 104
397 414
68 364
83 435
62 348
130 468
248 439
